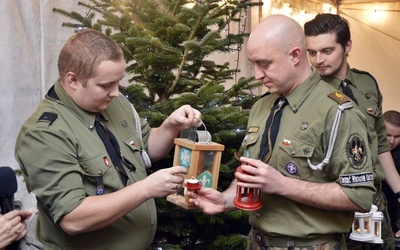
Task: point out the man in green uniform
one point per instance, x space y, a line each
82 152
328 44
320 170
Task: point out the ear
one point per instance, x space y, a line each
71 80
347 48
295 54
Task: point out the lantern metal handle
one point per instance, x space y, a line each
195 135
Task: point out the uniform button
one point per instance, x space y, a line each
91 127
258 215
258 239
100 172
85 169
292 152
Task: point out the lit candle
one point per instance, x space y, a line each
193 184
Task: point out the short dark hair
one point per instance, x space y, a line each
392 117
84 51
327 23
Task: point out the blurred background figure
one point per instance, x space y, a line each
392 123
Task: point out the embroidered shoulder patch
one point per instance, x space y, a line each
355 151
339 97
48 117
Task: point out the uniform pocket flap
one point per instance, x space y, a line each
250 139
133 142
372 110
297 148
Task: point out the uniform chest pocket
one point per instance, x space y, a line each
372 109
248 144
294 159
136 145
133 142
97 171
96 166
296 148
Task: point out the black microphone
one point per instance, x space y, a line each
8 187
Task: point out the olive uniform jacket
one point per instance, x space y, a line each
304 135
64 160
369 98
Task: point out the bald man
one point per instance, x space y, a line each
319 171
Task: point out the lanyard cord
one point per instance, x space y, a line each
332 138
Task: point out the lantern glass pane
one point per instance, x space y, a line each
356 224
367 225
377 229
208 160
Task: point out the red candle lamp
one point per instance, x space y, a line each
193 184
246 198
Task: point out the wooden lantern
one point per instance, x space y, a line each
202 158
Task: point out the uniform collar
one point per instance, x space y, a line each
58 94
351 76
303 90
335 82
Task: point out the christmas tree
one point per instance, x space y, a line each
167 45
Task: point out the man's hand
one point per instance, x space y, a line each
185 117
208 200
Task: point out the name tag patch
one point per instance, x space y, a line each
253 129
356 178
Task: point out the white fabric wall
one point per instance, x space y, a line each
31 39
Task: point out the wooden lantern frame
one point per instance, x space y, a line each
195 157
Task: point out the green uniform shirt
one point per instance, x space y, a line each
63 159
369 98
304 133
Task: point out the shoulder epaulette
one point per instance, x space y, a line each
339 97
48 117
361 72
373 78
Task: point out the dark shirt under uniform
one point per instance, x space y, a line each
393 204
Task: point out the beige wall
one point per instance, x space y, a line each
376 47
375 37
